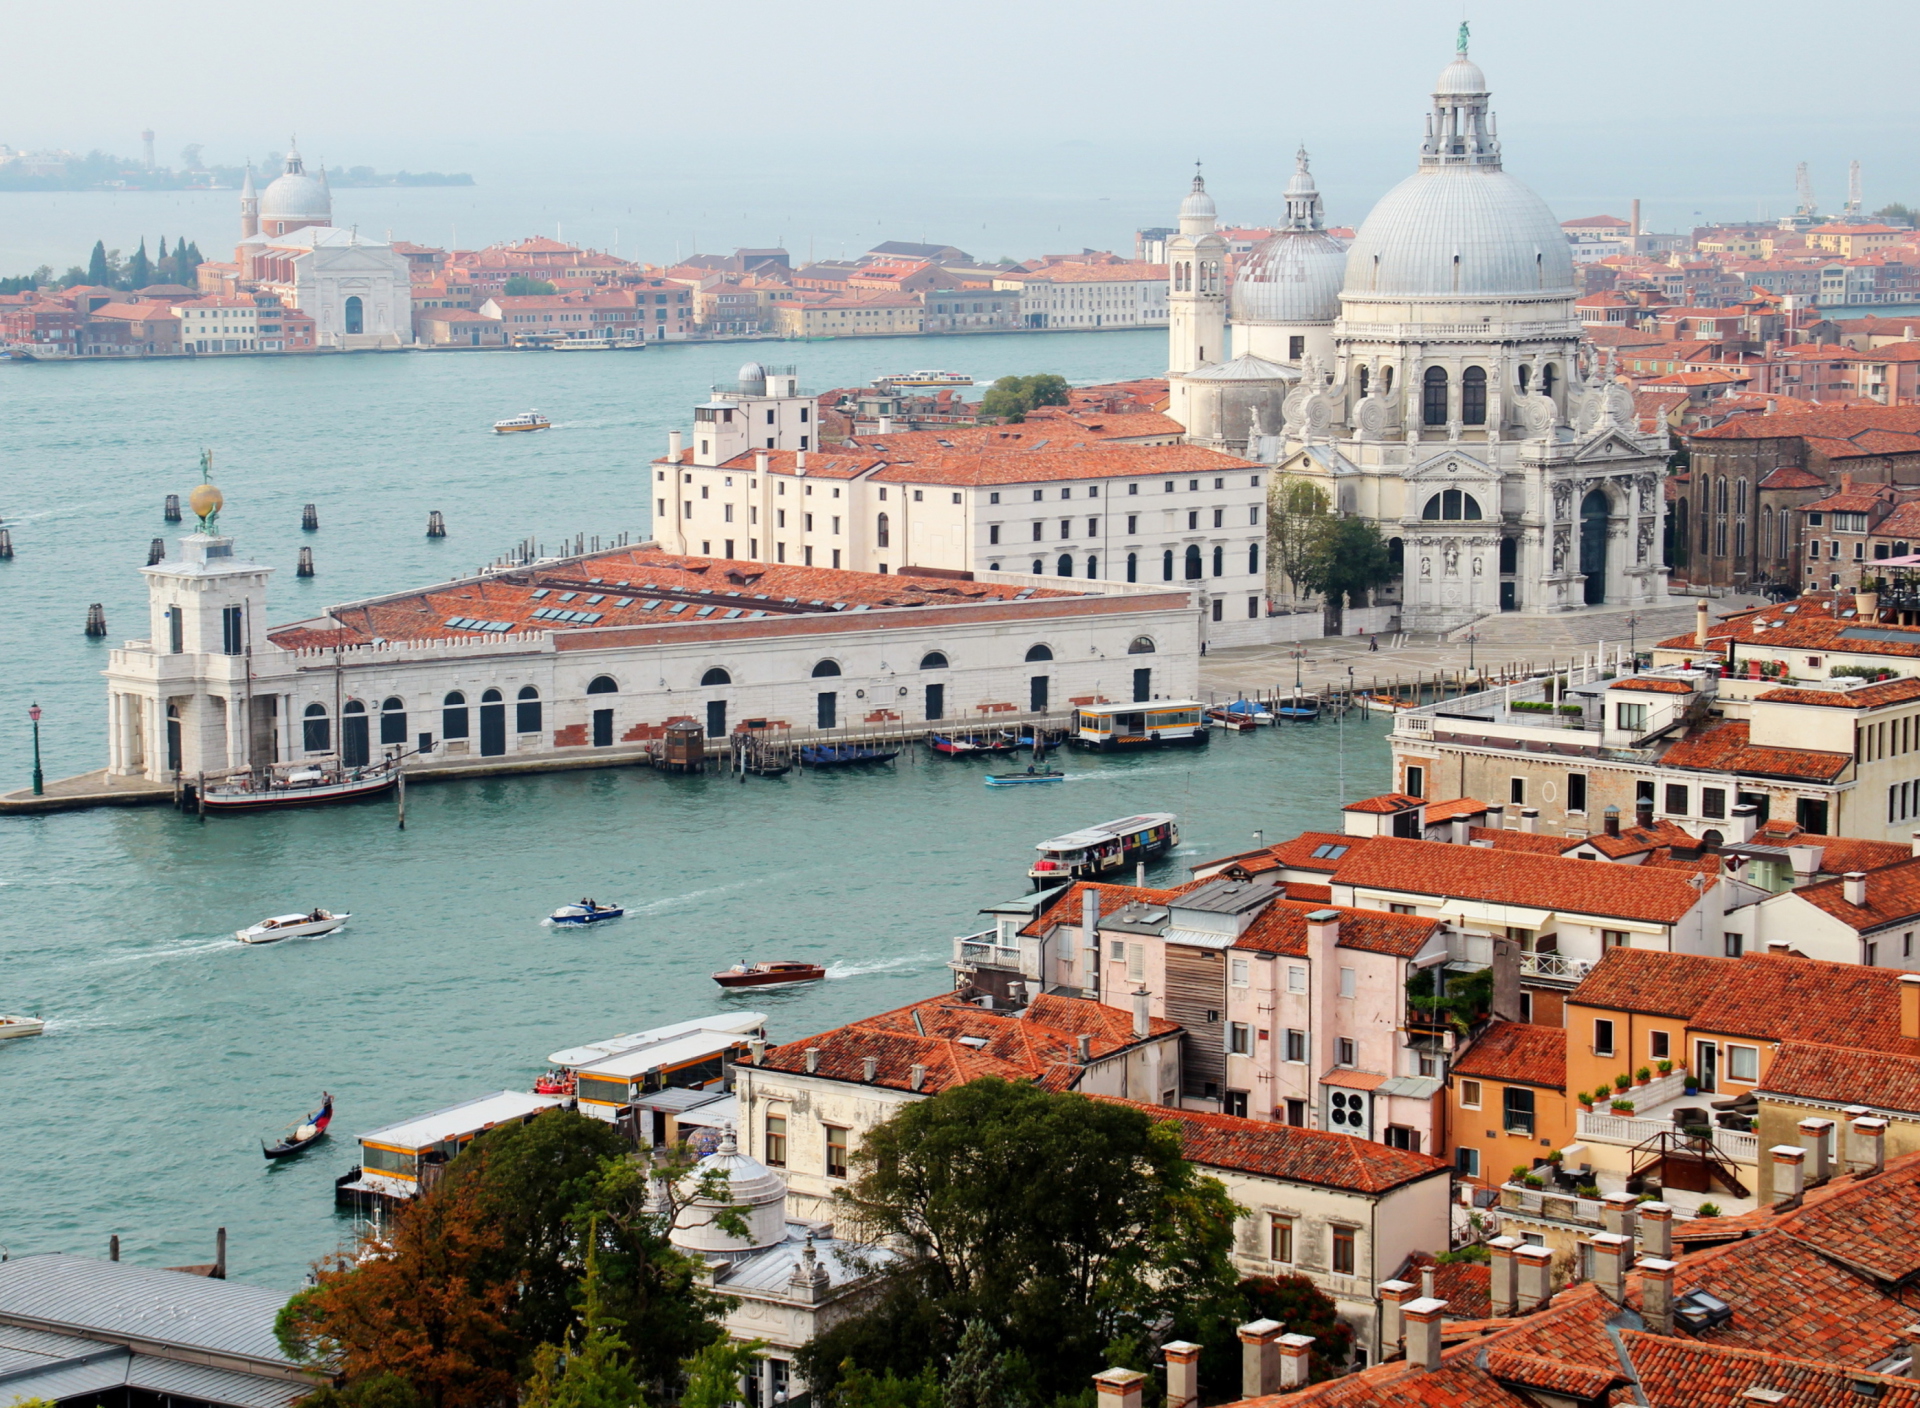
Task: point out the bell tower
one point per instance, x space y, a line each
1196 285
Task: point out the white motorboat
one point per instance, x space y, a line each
586 912
292 926
20 1026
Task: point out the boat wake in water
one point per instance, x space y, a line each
884 965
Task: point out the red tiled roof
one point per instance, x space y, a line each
985 455
1455 807
1298 854
1511 877
1893 896
1653 684
1791 476
1533 842
1724 748
1384 805
1466 1286
1882 1080
1632 840
1647 980
1869 697
1517 1051
1679 1373
1272 1150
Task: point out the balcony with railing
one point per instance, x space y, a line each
985 950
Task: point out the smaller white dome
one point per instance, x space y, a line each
1461 79
1198 205
1291 277
753 371
754 1189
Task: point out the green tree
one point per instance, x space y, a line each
1297 512
98 270
1011 397
714 1374
855 1387
1305 1309
591 1371
982 1375
520 284
140 267
967 1186
1348 558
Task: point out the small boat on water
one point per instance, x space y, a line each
1029 778
556 1082
1298 711
309 785
515 425
1241 714
769 975
303 1135
583 344
843 755
586 912
952 747
21 1026
292 926
924 378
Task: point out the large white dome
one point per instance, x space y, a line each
294 195
1449 231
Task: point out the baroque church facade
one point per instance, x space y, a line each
357 290
1429 378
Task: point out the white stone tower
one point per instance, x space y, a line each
1196 286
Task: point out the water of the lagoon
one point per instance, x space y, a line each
171 1049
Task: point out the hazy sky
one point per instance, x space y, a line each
844 117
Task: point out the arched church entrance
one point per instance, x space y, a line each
1594 510
356 317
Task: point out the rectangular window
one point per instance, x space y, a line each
1735 944
1602 1037
1238 969
1296 978
232 630
1219 518
1630 718
1713 803
1296 1045
1677 799
1517 1109
1280 1239
1343 1261
1743 1063
1517 791
1576 792
1348 982
993 532
826 710
1343 1051
1466 1162
1296 1114
1416 782
1136 962
776 1156
1469 1094
1239 1039
1613 938
836 1151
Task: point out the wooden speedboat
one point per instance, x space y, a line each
304 787
769 975
292 926
520 424
21 1026
303 1135
586 912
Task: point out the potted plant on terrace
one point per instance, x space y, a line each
1622 1106
1665 1067
1642 1076
1622 1081
1586 1102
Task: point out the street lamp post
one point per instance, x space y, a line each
39 779
1473 637
1633 651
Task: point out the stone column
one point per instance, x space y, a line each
236 729
114 753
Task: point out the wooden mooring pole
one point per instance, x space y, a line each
402 786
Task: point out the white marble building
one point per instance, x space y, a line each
1446 400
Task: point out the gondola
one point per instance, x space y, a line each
844 755
305 1134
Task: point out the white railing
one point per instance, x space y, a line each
1478 332
1609 1128
983 948
1554 965
464 645
1561 1207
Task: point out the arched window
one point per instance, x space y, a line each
1386 381
1549 379
1166 565
826 669
1396 555
1064 567
354 706
933 660
1038 567
1039 652
880 539
1524 377
316 733
1451 504
1253 559
1194 569
393 720
1219 560
453 715
527 711
354 748
716 676
356 316
1363 373
1473 396
1093 567
1433 397
603 684
493 724
1140 645
1133 567
492 696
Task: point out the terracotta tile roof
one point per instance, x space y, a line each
1883 1080
1653 684
958 1042
1774 997
1511 877
1102 273
1534 843
1458 806
1893 896
1868 1224
1272 1150
1385 804
1298 854
1903 522
987 455
1839 854
1679 1373
1354 1080
1466 1286
1868 697
1632 840
1646 980
1724 748
1066 907
1815 622
1791 476
1517 1051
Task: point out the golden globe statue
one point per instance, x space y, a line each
205 501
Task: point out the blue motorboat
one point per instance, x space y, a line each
1240 714
586 912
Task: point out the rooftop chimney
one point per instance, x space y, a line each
1789 1174
1656 1229
916 1076
1814 1136
1461 826
1746 821
886 425
1183 1373
1806 863
1701 621
1633 224
1916 843
1142 1018
800 463
1426 1281
1854 888
1869 1142
1090 937
1656 1294
1610 1253
1912 1332
756 1050
1620 1213
1393 1297
1118 1388
1423 1331
1260 1358
1296 1361
1612 823
1536 1276
813 1059
760 458
1504 1284
869 1068
1910 1005
673 446
1085 1053
1530 820
1643 813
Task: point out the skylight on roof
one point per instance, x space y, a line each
677 608
1329 851
566 596
542 592
595 600
624 601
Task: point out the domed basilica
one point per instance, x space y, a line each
1430 378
